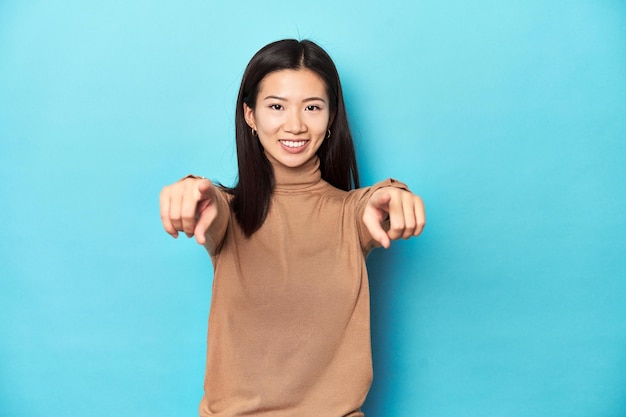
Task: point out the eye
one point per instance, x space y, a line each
313 107
276 107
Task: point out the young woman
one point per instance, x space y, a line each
289 326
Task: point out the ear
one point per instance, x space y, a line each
248 114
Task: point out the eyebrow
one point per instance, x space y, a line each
305 100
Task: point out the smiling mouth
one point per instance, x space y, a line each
293 143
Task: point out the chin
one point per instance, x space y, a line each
295 162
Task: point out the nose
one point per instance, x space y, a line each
294 123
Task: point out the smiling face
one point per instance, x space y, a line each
291 115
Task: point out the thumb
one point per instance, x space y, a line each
206 196
207 216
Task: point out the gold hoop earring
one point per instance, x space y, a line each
254 133
328 134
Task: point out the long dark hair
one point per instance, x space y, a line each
251 195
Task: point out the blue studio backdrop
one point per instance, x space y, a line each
508 118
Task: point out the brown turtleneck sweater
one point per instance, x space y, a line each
289 326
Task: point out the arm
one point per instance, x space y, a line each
404 210
190 205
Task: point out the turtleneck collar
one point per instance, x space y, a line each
294 179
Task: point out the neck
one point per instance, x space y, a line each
303 176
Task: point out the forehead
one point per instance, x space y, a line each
292 83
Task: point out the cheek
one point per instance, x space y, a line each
269 123
265 140
260 116
320 124
323 131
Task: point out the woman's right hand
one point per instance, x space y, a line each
188 206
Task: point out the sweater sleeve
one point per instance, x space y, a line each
367 242
217 231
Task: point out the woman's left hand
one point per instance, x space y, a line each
404 210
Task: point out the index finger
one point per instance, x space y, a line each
198 195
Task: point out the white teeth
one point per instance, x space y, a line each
293 143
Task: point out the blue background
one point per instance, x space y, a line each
509 118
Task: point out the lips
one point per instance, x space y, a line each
293 144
